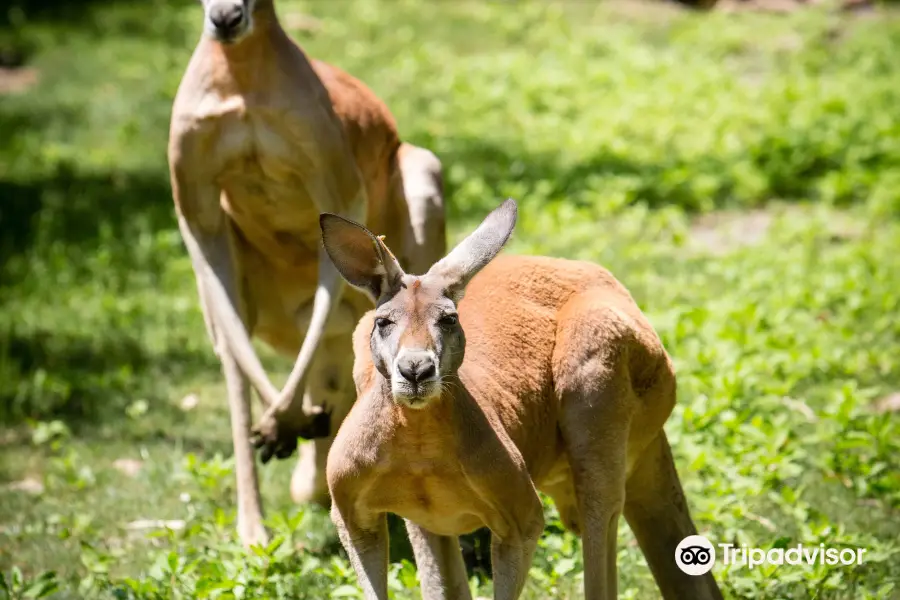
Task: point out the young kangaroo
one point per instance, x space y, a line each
547 377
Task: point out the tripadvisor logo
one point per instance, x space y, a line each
696 555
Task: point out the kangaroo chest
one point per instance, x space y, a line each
433 493
270 177
273 161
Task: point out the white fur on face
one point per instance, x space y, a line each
415 395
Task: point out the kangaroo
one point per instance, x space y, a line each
262 140
485 380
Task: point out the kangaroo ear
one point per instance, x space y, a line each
360 257
457 269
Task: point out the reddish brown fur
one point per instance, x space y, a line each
278 240
262 140
564 387
520 357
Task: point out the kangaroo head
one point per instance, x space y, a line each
417 342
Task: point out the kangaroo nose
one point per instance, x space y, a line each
226 15
417 369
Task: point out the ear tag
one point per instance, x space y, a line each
383 246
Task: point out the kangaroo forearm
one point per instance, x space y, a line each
326 298
212 262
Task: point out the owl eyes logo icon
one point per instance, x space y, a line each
695 555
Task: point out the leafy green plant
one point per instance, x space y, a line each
17 587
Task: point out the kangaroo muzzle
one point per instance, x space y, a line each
227 20
415 378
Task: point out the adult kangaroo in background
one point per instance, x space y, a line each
262 141
546 376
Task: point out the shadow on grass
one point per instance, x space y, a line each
133 18
789 168
56 203
82 210
499 166
68 12
58 226
83 377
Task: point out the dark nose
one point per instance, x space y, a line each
226 15
417 369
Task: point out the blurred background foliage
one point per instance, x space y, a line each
738 170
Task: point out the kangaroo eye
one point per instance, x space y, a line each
381 323
448 321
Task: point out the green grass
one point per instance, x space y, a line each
739 173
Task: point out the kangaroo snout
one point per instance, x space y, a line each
226 17
416 366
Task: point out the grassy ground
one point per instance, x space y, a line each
739 173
